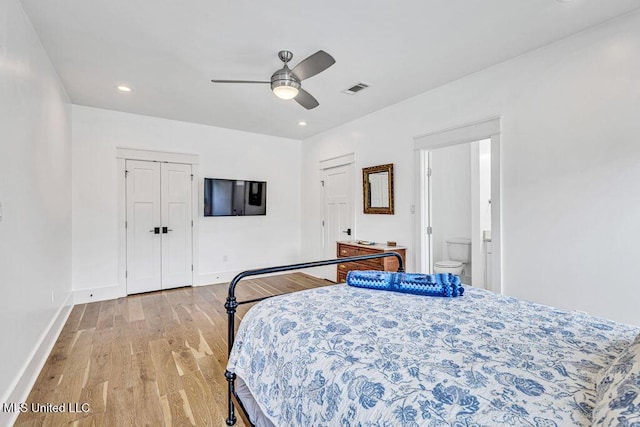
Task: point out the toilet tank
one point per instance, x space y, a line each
459 249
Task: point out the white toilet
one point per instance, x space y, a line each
459 250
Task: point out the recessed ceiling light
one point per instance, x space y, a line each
123 88
302 123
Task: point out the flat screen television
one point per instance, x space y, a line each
232 197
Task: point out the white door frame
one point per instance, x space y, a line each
123 154
488 128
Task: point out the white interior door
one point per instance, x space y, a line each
176 221
144 270
159 226
337 210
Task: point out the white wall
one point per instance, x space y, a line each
35 193
247 242
570 166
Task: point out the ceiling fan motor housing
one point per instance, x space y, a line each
284 77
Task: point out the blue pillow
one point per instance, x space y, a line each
437 285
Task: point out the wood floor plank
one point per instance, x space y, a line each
95 396
168 377
134 308
138 336
90 316
181 414
96 420
200 399
146 399
155 359
105 317
210 368
100 362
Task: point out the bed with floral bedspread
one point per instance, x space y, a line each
345 356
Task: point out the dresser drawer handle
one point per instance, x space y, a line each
342 266
344 251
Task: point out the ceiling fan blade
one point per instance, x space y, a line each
305 99
314 64
238 81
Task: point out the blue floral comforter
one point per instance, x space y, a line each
356 357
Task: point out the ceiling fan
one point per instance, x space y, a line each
286 83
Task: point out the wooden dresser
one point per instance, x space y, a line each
349 249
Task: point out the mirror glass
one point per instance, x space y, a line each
377 188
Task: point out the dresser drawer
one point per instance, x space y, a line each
348 266
347 251
350 249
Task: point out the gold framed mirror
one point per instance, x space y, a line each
377 189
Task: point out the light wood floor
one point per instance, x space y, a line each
153 359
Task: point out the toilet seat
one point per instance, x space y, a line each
448 264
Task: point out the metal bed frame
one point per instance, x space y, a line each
232 304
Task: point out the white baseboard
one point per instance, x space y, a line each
227 276
20 389
83 296
215 277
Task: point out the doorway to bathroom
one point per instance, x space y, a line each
459 194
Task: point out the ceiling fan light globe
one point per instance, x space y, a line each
285 92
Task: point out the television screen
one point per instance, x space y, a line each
230 197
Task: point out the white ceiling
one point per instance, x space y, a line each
169 50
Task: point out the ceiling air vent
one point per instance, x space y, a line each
356 88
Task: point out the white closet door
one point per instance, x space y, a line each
143 226
176 223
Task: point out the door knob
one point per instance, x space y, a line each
166 229
155 230
348 231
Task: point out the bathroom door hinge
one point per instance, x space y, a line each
322 183
191 267
126 224
323 222
429 171
191 223
126 172
126 274
191 177
429 230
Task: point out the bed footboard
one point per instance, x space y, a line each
232 304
